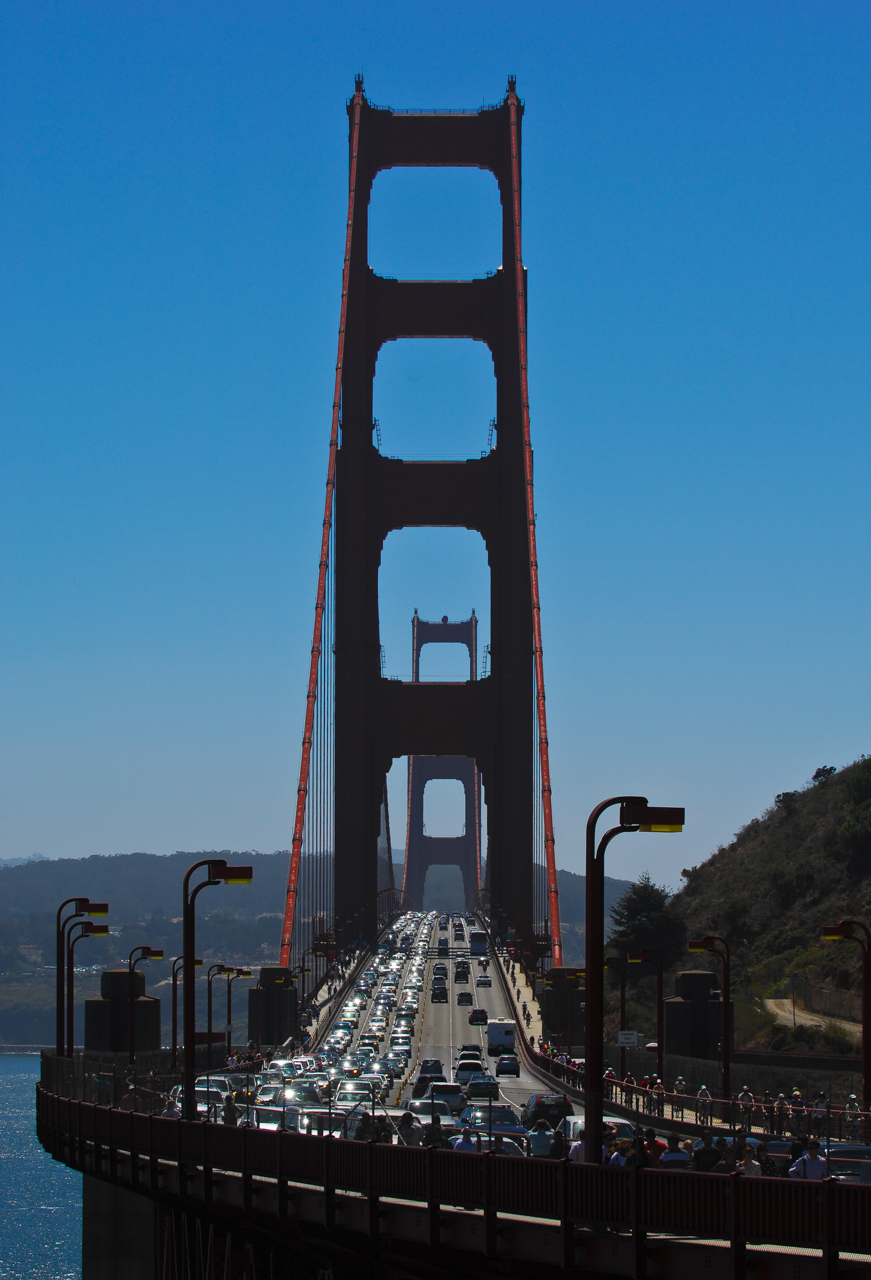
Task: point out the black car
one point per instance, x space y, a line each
552 1107
422 1083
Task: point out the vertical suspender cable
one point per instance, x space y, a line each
311 696
552 890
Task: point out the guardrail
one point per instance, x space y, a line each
827 1216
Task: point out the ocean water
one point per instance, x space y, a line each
41 1205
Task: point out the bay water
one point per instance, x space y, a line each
41 1204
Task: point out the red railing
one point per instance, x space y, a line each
721 1206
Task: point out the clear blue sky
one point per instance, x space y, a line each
696 229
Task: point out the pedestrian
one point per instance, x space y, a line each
852 1119
464 1142
558 1147
576 1151
819 1115
767 1165
707 1155
781 1116
766 1103
540 1138
746 1100
747 1166
674 1158
680 1089
621 1154
433 1134
229 1113
798 1112
408 1133
703 1105
365 1131
811 1166
171 1111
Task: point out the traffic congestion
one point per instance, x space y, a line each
420 1052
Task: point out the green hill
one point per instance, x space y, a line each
804 863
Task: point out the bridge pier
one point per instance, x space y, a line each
119 1232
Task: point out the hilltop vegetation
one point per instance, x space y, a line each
804 863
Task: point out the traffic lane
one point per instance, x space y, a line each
512 1089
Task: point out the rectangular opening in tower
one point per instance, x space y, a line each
444 808
434 398
441 573
435 224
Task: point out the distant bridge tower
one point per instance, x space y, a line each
423 851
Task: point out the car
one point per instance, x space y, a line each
451 1095
464 997
461 975
482 1085
508 1065
483 980
552 1107
423 1082
352 1092
470 1047
424 1109
466 1068
478 1018
495 1119
439 995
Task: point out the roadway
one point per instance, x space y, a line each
444 1028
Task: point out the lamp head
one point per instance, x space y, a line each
638 957
836 932
234 875
242 973
90 930
151 954
97 908
647 817
700 944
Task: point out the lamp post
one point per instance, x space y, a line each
709 943
217 872
845 930
88 930
176 968
653 955
231 978
614 962
145 953
213 971
81 907
635 815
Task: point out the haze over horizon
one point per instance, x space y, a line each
696 231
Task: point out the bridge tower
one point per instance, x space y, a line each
423 851
499 721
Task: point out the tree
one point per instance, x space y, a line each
824 773
640 918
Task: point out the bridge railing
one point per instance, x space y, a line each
819 1215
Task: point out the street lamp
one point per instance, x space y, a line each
635 815
176 967
88 930
217 872
709 943
231 978
146 953
845 930
81 907
653 955
615 962
213 972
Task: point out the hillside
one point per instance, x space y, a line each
804 863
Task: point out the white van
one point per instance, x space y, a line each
500 1036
